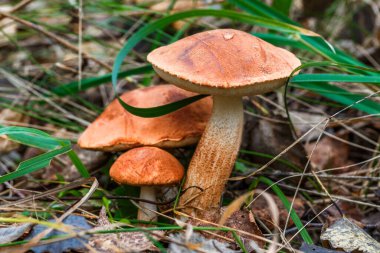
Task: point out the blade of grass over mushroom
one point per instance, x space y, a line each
160 110
293 215
163 22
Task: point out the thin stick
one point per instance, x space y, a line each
55 37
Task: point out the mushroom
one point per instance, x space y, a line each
116 129
228 64
147 167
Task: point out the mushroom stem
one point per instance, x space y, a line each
215 155
147 193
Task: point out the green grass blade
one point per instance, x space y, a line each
320 47
73 87
280 40
293 215
160 110
342 96
256 7
239 241
39 139
283 6
33 164
302 78
32 137
78 164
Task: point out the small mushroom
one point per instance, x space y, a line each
147 167
228 64
117 130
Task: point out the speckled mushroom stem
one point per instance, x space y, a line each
147 193
215 156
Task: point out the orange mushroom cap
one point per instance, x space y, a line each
224 62
147 166
116 129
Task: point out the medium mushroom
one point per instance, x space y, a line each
116 129
147 167
227 64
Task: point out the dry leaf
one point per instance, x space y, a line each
120 242
233 207
256 136
344 234
260 210
329 153
239 220
12 233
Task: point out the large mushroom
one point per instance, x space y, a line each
227 64
116 129
147 167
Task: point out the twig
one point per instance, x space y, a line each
17 7
55 37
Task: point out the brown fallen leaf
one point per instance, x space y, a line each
329 153
239 219
347 236
260 210
256 136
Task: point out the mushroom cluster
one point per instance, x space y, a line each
228 64
145 164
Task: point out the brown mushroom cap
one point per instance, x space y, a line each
116 129
224 62
147 166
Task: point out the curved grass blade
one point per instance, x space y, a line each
293 215
160 110
73 87
283 6
39 139
302 78
342 96
280 40
335 93
32 137
33 164
163 22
